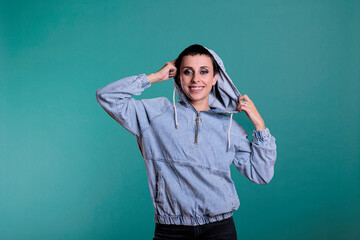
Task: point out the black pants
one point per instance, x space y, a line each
220 230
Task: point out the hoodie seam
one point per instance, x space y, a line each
186 164
125 125
152 119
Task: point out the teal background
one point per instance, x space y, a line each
69 171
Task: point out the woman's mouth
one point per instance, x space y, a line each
196 89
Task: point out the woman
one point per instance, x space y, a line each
188 146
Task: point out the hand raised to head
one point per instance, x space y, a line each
165 73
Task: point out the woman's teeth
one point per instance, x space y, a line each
196 88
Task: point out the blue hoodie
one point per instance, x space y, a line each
187 153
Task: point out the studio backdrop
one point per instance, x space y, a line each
69 171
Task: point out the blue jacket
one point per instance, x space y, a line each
188 154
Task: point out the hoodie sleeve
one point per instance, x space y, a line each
256 159
116 99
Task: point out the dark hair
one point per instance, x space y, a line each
194 50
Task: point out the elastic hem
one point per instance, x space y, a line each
190 221
144 80
261 135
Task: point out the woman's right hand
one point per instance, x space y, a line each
165 73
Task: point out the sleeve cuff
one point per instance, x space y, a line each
145 83
262 135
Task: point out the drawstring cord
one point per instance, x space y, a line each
176 122
228 135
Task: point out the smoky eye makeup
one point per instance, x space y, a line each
204 71
187 71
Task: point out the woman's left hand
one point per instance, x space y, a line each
245 104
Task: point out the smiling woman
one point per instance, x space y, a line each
188 157
197 78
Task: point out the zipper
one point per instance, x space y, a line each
197 120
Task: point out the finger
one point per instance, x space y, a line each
244 108
173 61
172 70
172 75
247 98
242 103
240 106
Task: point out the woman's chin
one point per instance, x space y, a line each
197 99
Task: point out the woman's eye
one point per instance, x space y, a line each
187 72
204 71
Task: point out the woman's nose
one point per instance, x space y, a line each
195 78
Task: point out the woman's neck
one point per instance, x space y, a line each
200 106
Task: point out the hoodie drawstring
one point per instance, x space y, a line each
176 122
228 135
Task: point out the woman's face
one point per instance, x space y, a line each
197 78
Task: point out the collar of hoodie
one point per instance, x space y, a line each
224 97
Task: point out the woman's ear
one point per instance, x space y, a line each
215 79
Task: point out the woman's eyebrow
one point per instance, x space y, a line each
201 67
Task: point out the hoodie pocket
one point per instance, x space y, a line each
159 186
230 195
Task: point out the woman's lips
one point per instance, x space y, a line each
196 89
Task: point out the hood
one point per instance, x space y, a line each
224 98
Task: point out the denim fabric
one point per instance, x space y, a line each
190 184
220 230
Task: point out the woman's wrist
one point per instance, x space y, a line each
260 127
152 78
